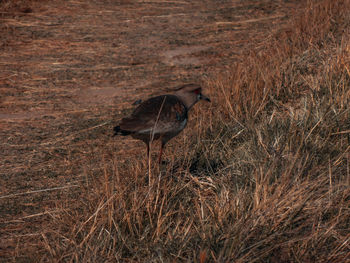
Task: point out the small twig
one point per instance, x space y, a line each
313 128
151 139
71 135
39 191
170 15
34 215
249 20
341 132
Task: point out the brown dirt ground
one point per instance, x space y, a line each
70 69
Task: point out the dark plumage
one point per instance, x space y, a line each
161 117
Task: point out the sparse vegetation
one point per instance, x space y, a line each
264 178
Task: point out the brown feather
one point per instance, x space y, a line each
165 108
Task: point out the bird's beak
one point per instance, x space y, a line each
203 97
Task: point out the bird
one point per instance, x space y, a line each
161 117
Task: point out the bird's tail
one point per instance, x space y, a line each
119 131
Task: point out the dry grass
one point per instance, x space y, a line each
266 178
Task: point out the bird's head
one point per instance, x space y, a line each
190 94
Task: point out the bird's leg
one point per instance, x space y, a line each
147 144
160 152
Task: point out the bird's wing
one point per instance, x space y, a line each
159 114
